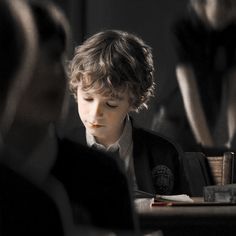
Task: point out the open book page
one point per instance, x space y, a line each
157 197
170 200
173 198
184 200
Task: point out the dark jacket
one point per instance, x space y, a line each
25 209
158 162
96 185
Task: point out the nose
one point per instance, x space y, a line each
97 110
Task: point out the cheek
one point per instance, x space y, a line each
81 107
117 118
112 118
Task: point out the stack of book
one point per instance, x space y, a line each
220 193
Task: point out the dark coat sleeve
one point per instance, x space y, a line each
96 183
25 209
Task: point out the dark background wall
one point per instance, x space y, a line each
150 19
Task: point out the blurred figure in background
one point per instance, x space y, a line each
170 120
206 72
24 208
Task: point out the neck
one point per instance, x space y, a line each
107 141
112 138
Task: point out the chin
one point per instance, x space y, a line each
96 133
92 132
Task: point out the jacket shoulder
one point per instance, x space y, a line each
154 139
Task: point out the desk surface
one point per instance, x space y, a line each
178 217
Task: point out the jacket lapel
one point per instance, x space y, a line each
141 162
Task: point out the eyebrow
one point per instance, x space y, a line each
117 97
120 98
112 97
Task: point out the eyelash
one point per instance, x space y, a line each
110 106
88 99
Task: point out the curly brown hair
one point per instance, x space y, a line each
117 61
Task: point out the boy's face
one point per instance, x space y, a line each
103 116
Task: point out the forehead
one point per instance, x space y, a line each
102 87
105 93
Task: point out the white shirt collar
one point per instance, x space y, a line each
122 144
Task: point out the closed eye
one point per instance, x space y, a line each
88 99
112 105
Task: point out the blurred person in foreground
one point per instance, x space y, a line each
25 209
65 170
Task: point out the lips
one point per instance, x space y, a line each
95 125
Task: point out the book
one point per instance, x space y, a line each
155 203
173 198
220 193
170 200
185 200
222 168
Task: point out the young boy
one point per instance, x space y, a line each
111 75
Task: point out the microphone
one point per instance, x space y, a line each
163 179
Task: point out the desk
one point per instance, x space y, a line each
187 220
